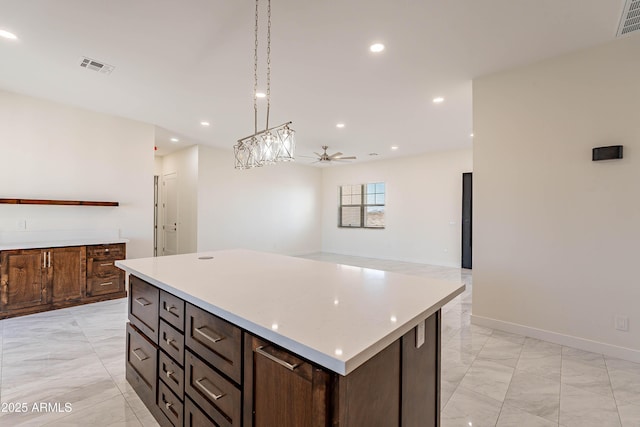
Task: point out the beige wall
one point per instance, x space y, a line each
53 151
423 208
555 234
274 208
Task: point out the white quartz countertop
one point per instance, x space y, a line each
337 316
60 243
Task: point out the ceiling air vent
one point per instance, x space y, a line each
92 64
630 20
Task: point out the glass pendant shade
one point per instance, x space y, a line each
269 146
286 138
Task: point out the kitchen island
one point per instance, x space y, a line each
243 338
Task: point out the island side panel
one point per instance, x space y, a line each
421 376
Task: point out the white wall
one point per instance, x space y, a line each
184 164
51 151
555 234
275 208
423 208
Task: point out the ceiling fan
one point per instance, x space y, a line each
325 158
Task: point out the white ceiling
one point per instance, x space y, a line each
180 62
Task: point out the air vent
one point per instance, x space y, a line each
92 64
630 20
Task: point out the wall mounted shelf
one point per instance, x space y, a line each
56 202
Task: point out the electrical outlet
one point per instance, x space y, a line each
22 224
621 323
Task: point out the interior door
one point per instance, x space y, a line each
170 214
467 200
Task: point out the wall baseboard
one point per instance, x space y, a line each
557 338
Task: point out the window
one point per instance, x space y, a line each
362 206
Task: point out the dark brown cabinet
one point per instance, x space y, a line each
33 280
21 279
270 375
193 368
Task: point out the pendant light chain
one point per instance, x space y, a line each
255 75
271 145
268 60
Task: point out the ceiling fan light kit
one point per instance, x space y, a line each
271 145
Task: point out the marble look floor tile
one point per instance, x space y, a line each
541 364
469 408
594 359
534 394
506 336
488 378
585 375
629 414
502 351
625 380
532 345
514 417
112 412
580 408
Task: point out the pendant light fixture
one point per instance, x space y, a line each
271 145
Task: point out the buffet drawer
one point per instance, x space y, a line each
172 310
172 342
141 362
215 340
105 285
143 307
194 417
218 397
112 251
170 405
172 374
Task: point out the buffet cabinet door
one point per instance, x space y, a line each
67 273
21 278
281 389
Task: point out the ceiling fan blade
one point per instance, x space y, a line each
346 158
333 156
319 155
308 157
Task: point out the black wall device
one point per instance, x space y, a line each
607 153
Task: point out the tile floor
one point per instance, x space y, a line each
489 378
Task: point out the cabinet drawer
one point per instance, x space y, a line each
102 268
172 374
105 285
172 342
170 405
143 307
194 417
172 310
218 397
215 340
141 363
113 251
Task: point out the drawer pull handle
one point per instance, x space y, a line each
106 284
143 302
138 357
214 340
106 264
170 374
170 342
289 366
213 395
168 405
171 309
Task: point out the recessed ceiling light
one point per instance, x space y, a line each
174 140
376 47
205 124
7 35
340 125
394 147
260 95
438 100
471 134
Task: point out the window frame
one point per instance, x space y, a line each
362 205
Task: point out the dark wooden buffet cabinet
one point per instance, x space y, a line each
192 368
34 280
